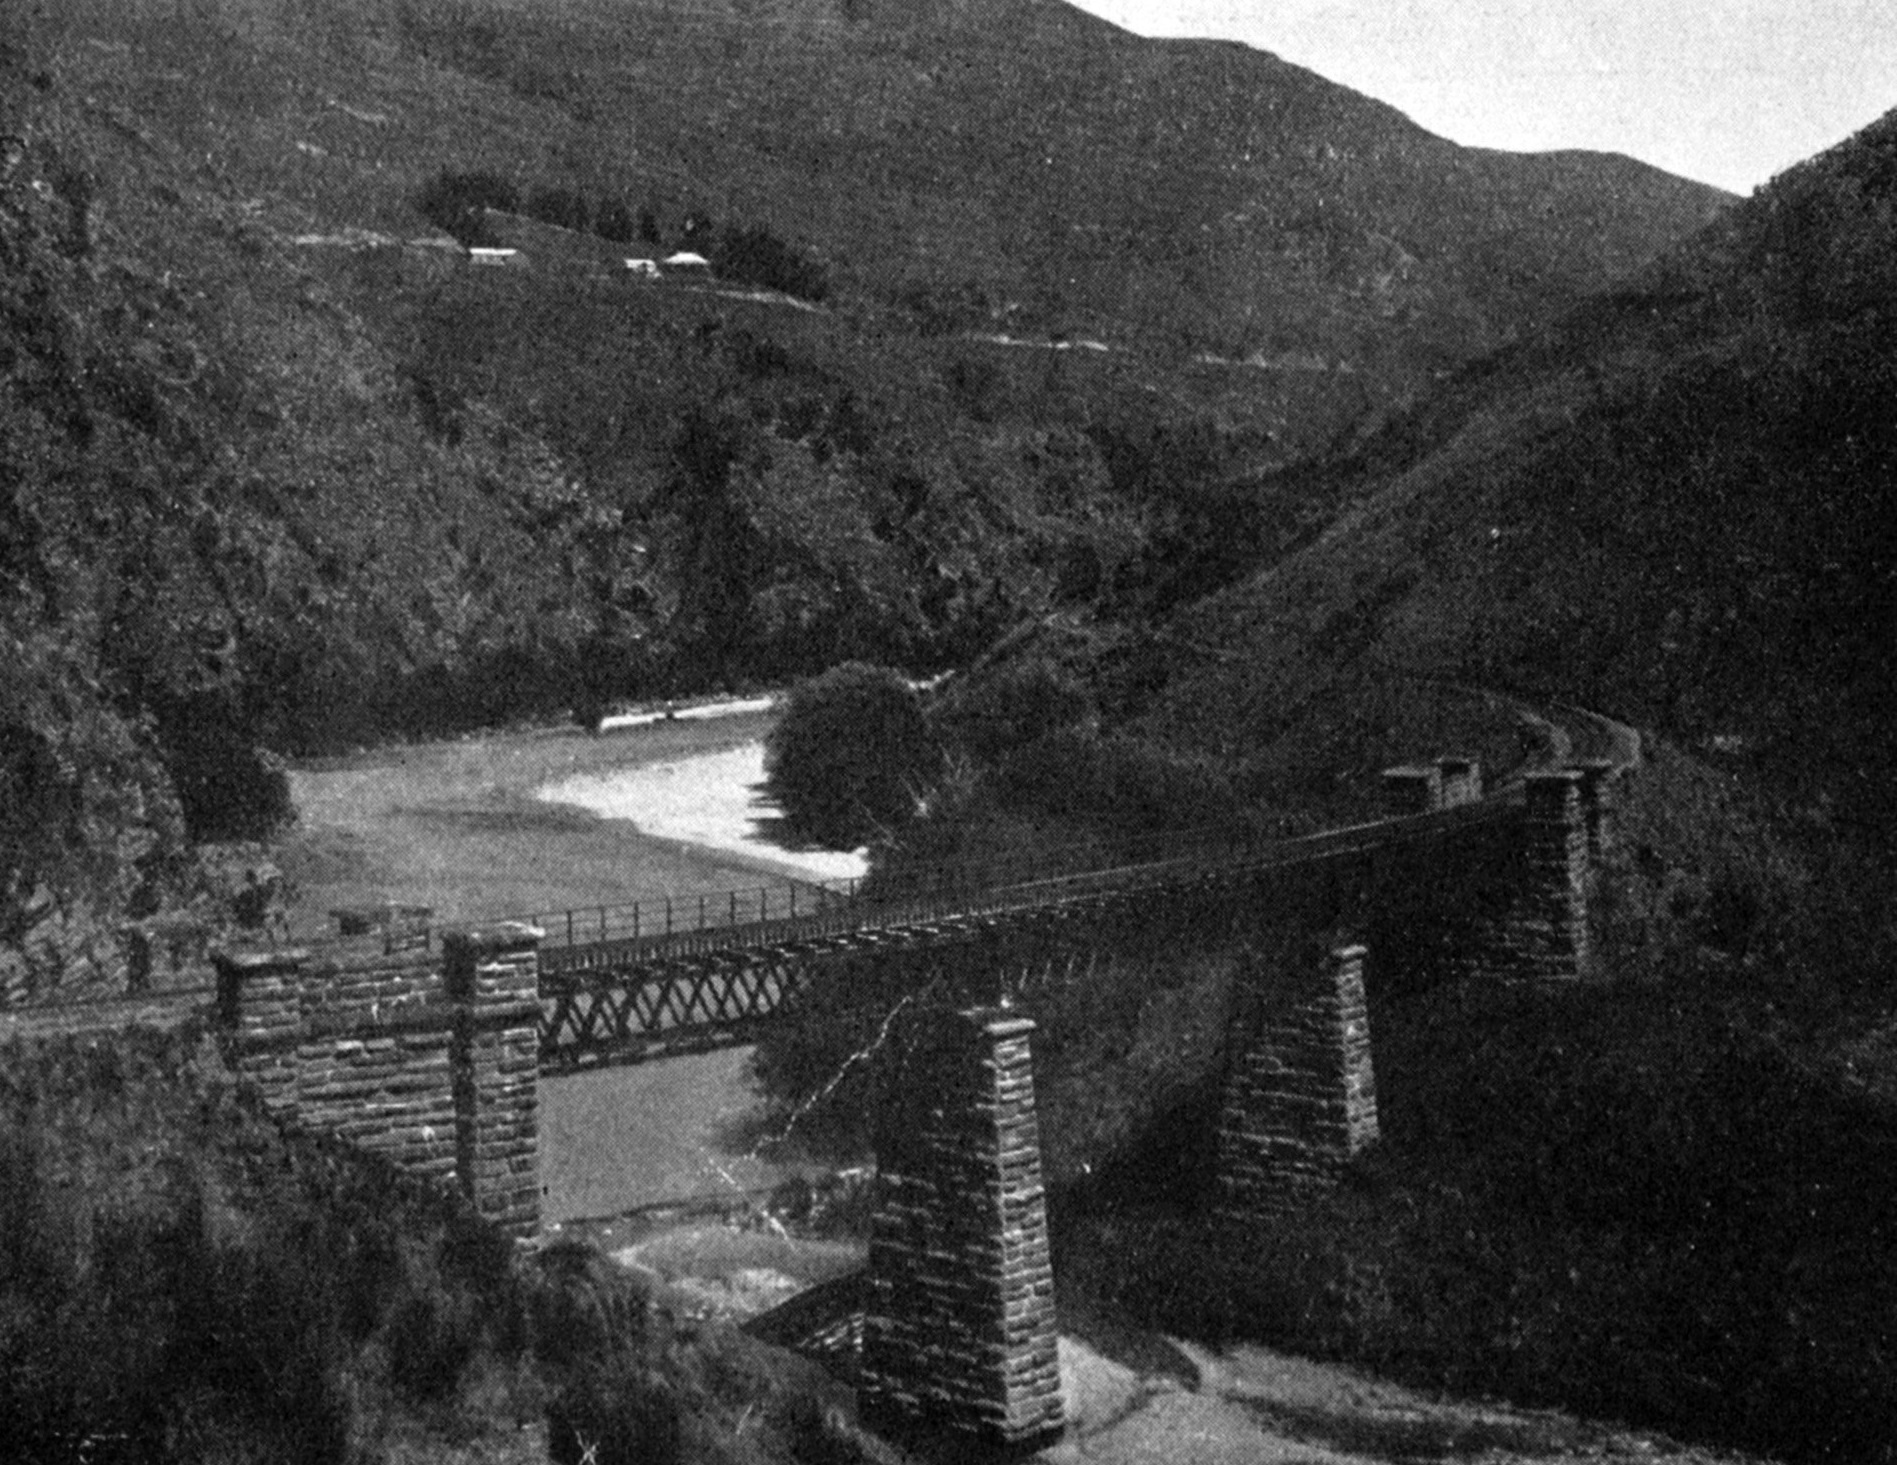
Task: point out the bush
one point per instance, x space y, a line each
614 1416
851 755
1117 783
612 221
758 257
184 1282
559 206
1014 706
456 202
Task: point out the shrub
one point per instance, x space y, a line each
610 1415
756 256
612 221
851 755
455 202
184 1282
1116 782
559 206
1014 706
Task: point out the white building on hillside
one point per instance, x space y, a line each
687 264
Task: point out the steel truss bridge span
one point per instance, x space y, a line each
613 989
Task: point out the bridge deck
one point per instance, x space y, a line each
623 982
637 992
729 924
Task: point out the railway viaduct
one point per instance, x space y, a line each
428 1049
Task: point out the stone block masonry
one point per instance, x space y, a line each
494 982
1300 1099
1540 933
1598 788
959 1334
433 1065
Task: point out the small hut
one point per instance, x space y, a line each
686 265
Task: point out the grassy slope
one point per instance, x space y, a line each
218 135
186 1282
1652 1194
306 495
1074 176
1673 505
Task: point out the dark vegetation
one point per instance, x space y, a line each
1663 1196
851 756
184 1282
260 499
1672 506
1068 177
267 498
1688 1228
742 254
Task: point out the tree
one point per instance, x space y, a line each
612 221
850 756
563 207
458 202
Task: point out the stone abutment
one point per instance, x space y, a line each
431 1064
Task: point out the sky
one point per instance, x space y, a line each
1726 91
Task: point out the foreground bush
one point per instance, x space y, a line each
184 1282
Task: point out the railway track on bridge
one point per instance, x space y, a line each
709 971
665 974
615 989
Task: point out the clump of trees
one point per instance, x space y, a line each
851 757
755 256
457 203
749 254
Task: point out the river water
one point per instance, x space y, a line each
679 1129
535 820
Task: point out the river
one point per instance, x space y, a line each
543 820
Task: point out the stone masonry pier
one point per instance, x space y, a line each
1300 1097
958 1337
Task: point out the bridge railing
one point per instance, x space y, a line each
604 937
749 907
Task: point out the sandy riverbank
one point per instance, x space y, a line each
462 826
711 800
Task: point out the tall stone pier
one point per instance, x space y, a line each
1539 930
1300 1100
959 1334
493 978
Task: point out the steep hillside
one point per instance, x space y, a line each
220 513
1012 165
1660 1191
1675 505
281 473
1085 178
186 1281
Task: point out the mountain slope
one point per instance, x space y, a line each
1080 178
280 474
1675 505
1041 170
